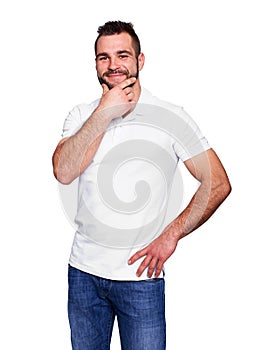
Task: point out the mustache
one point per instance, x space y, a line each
116 71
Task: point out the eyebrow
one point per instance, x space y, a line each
124 51
119 52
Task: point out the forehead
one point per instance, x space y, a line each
114 43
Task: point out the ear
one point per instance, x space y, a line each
141 61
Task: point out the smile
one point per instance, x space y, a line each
115 74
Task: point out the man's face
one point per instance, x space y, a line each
116 59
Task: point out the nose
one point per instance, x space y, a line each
113 63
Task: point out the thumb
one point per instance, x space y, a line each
105 88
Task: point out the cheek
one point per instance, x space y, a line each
100 68
132 66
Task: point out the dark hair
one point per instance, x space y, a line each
117 27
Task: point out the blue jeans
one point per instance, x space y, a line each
93 303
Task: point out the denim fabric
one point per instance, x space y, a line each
93 303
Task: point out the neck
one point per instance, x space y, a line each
137 91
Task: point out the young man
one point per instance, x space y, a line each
119 250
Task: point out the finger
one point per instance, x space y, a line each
129 93
128 90
158 269
145 263
152 267
137 256
105 88
130 96
127 82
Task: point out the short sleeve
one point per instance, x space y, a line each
72 122
77 116
190 141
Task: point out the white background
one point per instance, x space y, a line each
209 56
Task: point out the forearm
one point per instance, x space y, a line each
203 204
74 154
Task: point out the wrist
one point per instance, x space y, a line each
103 113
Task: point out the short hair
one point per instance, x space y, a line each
117 27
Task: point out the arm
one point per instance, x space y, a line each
214 188
73 154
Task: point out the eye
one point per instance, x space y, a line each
103 58
123 56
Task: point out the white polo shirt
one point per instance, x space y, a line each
124 192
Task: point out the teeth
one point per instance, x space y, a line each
114 73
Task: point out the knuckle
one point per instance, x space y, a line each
161 257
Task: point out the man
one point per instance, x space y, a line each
117 261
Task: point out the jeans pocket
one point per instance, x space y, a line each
153 280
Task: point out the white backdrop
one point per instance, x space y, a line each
209 56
